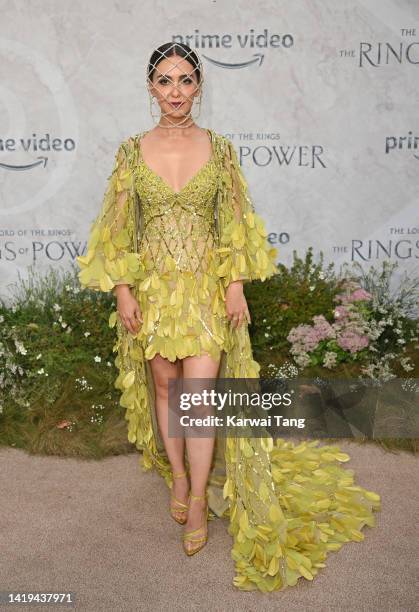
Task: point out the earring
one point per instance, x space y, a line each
151 102
158 116
198 103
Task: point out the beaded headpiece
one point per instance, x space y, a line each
173 84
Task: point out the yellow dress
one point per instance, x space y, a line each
287 504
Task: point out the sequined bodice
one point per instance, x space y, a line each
180 224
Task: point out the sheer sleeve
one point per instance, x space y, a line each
245 252
111 257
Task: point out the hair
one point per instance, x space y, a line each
169 49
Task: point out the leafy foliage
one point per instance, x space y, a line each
57 369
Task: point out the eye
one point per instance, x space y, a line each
164 81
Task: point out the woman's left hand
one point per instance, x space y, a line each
236 305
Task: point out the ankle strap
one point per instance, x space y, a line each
179 474
198 496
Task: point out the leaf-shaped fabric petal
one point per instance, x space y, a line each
111 242
244 252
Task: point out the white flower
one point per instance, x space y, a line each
39 356
41 371
98 359
312 287
266 335
329 359
56 307
64 325
108 363
86 334
406 364
264 321
20 348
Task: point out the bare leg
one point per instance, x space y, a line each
162 370
200 450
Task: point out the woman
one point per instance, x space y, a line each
175 240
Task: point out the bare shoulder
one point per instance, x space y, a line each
153 134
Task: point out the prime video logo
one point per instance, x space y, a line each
403 143
250 40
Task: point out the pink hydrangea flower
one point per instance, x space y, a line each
304 337
322 328
341 312
353 294
351 341
360 294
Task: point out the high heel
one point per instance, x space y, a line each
180 508
188 536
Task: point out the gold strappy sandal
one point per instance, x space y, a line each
189 536
180 508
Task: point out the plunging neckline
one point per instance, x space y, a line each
163 181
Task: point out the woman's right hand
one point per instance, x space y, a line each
128 309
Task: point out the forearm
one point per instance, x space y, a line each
236 283
121 290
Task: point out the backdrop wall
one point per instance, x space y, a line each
320 99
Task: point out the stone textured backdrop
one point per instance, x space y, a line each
320 99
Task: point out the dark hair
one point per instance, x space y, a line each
169 49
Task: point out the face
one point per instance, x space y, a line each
175 84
